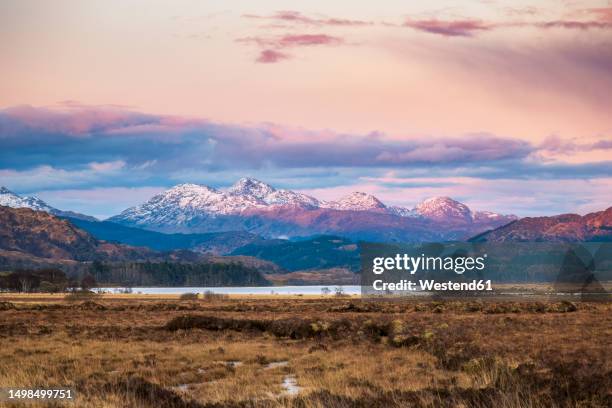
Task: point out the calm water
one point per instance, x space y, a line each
241 290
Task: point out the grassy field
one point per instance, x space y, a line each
159 351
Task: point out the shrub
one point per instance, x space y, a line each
189 296
49 287
209 295
79 295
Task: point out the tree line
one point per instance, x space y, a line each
175 274
50 280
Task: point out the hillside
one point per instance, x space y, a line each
42 235
218 243
595 226
321 252
31 238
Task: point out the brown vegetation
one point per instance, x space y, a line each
340 352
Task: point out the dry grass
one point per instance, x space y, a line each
341 352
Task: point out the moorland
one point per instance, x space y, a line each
272 351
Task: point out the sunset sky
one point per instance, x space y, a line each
503 105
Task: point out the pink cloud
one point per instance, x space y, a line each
555 144
308 39
572 24
453 28
89 118
271 56
600 18
297 17
272 46
596 18
293 40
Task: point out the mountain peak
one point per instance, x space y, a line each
444 207
357 201
440 199
10 199
252 187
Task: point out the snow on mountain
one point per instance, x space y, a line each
10 199
403 211
188 204
444 208
185 201
356 201
252 203
252 188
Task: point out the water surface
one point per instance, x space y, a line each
242 290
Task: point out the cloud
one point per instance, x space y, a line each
272 46
293 40
556 144
165 142
602 144
271 56
43 150
452 28
299 18
302 40
130 156
107 166
597 18
574 24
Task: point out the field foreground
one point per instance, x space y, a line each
309 352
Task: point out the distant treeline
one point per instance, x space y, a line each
131 274
36 280
175 274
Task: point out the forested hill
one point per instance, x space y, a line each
35 239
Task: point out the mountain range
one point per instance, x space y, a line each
596 226
208 220
10 199
36 237
253 206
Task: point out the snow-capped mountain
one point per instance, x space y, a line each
255 189
10 199
443 208
447 209
356 201
184 203
251 205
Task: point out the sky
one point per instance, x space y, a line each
503 105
